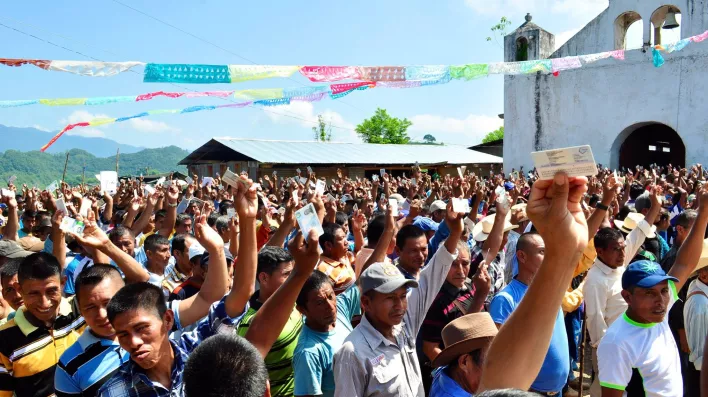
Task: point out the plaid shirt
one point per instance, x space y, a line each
131 380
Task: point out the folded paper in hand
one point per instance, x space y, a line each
320 187
307 220
574 161
61 207
234 180
109 181
461 206
71 225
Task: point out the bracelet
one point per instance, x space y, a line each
172 205
601 206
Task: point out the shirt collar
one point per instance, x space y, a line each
372 336
702 287
27 328
448 385
453 291
137 374
603 267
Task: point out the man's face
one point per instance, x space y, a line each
459 270
28 223
271 282
93 304
158 222
613 255
472 371
182 258
703 275
340 245
11 292
414 252
144 335
161 255
43 233
151 225
321 308
532 255
186 227
649 304
42 297
438 216
126 243
387 309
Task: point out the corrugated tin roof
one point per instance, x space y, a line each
299 152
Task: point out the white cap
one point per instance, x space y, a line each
437 205
195 249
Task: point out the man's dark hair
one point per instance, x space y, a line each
137 296
118 232
29 214
90 276
181 218
10 268
179 242
340 218
375 229
222 223
316 280
329 230
476 357
161 214
686 218
224 206
154 241
225 366
408 232
39 266
635 191
676 198
525 241
269 258
211 220
605 236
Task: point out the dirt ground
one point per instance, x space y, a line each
587 370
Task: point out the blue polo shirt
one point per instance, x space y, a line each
554 371
445 386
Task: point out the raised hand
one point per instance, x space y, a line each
172 194
306 254
93 236
207 237
246 200
554 208
482 281
454 221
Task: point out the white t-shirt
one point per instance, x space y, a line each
648 348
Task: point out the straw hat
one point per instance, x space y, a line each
703 261
465 335
630 223
484 227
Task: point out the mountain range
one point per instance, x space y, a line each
87 156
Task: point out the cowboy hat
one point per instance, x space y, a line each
465 335
484 227
703 261
630 223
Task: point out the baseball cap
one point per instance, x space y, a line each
383 278
508 186
12 250
205 257
644 274
195 249
426 224
437 205
31 243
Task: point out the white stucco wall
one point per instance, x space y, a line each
594 104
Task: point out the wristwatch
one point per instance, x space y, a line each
601 206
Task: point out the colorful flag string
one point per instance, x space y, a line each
392 75
298 95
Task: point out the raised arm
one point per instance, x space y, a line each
168 225
608 196
690 251
144 218
554 208
13 223
381 249
275 312
278 238
493 243
358 220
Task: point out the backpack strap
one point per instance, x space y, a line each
699 292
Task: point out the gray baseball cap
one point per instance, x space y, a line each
12 250
383 278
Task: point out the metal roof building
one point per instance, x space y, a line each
355 159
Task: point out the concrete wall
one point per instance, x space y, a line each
595 104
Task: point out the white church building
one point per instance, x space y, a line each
630 112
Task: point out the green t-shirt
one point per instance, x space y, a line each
279 360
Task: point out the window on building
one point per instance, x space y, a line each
522 49
652 148
666 149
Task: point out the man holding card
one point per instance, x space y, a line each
370 361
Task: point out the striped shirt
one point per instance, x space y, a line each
29 354
279 360
341 273
72 270
172 279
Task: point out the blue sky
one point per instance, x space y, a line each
365 32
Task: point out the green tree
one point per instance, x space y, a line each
322 132
494 135
499 30
429 139
382 128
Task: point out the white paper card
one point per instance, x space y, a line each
189 180
12 179
61 206
374 177
307 220
231 212
160 181
109 181
207 181
7 193
382 171
85 207
461 206
71 225
182 207
234 180
53 187
575 161
330 198
309 169
303 180
393 203
320 187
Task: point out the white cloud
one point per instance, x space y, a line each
467 131
147 125
39 127
303 114
80 116
562 37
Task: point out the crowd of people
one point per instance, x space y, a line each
209 287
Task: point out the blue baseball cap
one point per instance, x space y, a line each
644 274
426 224
509 186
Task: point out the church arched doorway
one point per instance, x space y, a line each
648 143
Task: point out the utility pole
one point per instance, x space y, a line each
63 176
117 159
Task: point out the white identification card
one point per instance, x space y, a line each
234 180
460 205
189 180
320 187
393 203
575 161
61 206
307 220
85 207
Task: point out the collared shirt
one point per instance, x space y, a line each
603 287
368 364
695 313
29 354
72 270
445 386
131 381
444 309
341 273
495 270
